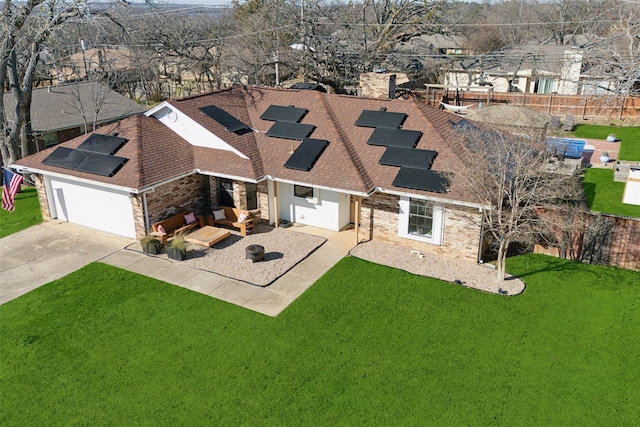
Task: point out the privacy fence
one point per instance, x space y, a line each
592 238
579 106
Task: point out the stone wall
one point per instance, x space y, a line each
461 237
263 202
137 205
42 196
189 194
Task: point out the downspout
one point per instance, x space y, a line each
276 209
480 244
357 218
146 212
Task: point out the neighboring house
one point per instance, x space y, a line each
542 69
59 113
242 146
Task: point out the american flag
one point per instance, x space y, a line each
11 184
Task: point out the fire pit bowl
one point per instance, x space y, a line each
255 253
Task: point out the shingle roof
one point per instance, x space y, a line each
72 105
348 163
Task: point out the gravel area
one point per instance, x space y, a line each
284 248
442 267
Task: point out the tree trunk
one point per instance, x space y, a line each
502 260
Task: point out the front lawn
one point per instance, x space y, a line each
25 214
367 344
605 195
628 137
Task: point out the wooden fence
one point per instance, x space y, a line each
593 238
579 106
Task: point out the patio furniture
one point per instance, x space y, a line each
171 226
207 236
231 218
255 253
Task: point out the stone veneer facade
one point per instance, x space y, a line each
240 196
42 196
461 236
188 194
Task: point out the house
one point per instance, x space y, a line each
542 69
59 113
383 166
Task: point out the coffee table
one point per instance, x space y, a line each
207 236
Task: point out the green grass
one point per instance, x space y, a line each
605 195
366 344
629 137
25 214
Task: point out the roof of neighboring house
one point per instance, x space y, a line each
348 163
69 106
518 58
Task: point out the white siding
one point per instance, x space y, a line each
327 209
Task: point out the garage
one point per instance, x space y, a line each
102 208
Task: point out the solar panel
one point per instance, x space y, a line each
104 144
286 130
380 119
101 164
225 119
306 154
66 158
422 179
395 137
410 157
279 113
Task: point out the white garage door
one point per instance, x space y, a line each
92 206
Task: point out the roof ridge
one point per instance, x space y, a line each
256 157
353 154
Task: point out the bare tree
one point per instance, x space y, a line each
509 175
25 28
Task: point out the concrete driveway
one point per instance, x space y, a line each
48 251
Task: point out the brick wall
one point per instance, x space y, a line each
263 202
42 196
137 206
379 221
189 194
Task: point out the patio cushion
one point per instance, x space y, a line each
219 214
190 218
242 218
161 229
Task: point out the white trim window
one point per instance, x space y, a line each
421 220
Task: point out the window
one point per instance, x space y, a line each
225 193
421 220
302 191
50 138
546 85
252 196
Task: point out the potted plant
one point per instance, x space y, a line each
604 157
150 245
177 248
611 137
